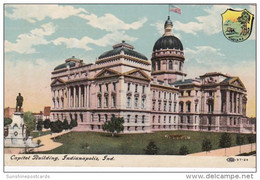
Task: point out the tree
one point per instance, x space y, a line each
65 124
39 142
183 150
39 125
206 145
240 140
47 123
251 139
7 121
151 148
73 123
225 141
114 126
56 126
30 122
244 19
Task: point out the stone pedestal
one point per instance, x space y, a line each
17 133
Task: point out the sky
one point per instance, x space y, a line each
40 37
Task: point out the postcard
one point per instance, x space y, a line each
130 85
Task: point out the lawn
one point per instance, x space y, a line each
37 134
100 143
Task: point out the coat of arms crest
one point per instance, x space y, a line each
237 24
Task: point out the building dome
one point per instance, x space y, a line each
168 42
126 48
70 62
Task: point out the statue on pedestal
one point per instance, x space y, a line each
19 103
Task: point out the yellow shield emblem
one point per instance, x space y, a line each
237 25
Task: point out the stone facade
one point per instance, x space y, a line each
150 96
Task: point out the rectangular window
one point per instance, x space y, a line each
136 118
114 86
189 93
175 97
99 102
159 94
159 106
153 118
153 94
174 108
136 87
164 119
159 119
174 119
170 95
143 118
99 118
170 107
107 87
143 90
128 118
136 102
164 95
106 101
100 88
196 107
153 105
128 86
143 103
128 101
106 117
114 101
164 106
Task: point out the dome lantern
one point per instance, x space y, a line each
168 27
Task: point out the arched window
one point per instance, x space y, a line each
170 65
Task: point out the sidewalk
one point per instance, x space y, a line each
232 151
47 143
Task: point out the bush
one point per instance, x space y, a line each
7 121
39 125
206 145
73 123
65 124
151 149
184 150
114 126
56 126
47 123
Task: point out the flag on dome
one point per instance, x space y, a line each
174 9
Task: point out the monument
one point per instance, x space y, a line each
17 130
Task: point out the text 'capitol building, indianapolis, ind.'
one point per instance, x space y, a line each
150 95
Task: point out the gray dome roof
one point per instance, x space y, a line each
64 65
126 48
168 42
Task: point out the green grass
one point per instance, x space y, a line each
100 143
36 134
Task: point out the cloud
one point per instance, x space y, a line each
108 39
204 55
32 79
209 24
25 42
109 22
34 13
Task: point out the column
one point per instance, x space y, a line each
53 97
88 91
74 96
69 97
79 96
227 101
241 103
85 96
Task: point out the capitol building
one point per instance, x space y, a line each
151 95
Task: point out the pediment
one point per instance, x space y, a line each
138 73
107 73
237 82
57 82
